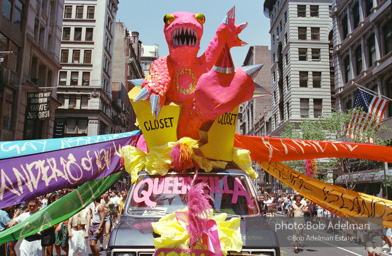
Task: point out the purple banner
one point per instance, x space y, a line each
22 178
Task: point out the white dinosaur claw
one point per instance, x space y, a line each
154 103
142 95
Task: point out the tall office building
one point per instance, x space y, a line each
29 55
301 33
362 32
85 80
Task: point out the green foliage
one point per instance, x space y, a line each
332 127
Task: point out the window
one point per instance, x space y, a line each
90 12
287 59
62 78
273 38
79 12
371 50
316 54
64 56
288 110
355 12
358 59
285 38
315 33
82 126
74 78
84 102
280 26
87 56
6 9
369 7
72 101
71 123
302 54
68 12
18 11
317 107
302 33
303 78
314 11
304 108
347 73
301 10
387 34
66 33
76 56
61 98
78 34
89 34
86 78
344 27
7 110
287 83
316 79
285 18
273 58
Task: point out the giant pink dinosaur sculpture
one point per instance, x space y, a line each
203 91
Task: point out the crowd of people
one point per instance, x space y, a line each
302 209
90 227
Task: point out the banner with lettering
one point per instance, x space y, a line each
280 149
338 200
28 147
61 209
24 177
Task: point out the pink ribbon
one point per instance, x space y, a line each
210 237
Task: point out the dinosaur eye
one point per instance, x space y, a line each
168 18
200 17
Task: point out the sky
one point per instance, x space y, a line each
146 17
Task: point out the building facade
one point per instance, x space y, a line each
301 43
362 33
149 54
30 34
85 80
126 66
254 113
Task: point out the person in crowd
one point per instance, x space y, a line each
13 212
78 227
109 212
387 233
97 225
262 206
29 248
4 220
61 231
297 209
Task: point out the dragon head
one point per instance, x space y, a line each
183 31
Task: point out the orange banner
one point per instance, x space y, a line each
339 201
280 149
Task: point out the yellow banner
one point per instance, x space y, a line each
339 201
220 137
156 131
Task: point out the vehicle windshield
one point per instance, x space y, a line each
157 196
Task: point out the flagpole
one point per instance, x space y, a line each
371 92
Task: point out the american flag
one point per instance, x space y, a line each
366 117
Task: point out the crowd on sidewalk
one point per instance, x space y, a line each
294 205
90 227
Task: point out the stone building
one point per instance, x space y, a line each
30 34
85 80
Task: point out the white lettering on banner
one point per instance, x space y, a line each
180 186
39 146
28 177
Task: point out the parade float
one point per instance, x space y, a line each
186 152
